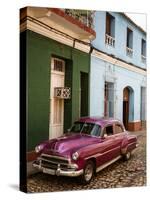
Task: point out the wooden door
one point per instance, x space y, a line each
126 107
56 104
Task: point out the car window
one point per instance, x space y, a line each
108 130
77 127
118 128
96 130
86 128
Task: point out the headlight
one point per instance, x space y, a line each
38 149
75 156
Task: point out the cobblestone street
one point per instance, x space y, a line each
119 174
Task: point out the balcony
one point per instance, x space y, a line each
76 24
109 40
129 52
84 16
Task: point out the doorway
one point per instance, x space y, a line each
84 94
128 106
143 104
109 99
56 123
143 107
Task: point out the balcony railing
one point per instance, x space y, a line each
129 52
84 16
109 40
143 58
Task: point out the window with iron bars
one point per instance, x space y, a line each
58 65
109 99
143 50
129 43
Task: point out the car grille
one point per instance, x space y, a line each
52 162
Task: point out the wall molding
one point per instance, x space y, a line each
117 62
30 25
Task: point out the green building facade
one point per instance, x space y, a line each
39 52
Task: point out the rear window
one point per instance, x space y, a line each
118 128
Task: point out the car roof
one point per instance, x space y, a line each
102 121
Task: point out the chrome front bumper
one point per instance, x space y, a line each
58 171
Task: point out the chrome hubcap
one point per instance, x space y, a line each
88 172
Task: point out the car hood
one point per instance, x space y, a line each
66 145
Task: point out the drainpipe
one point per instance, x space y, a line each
90 54
73 46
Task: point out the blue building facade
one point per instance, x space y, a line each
118 69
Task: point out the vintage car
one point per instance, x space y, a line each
90 145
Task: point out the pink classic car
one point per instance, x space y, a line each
90 145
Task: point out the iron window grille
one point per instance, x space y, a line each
58 65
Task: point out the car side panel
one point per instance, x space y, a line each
110 150
102 152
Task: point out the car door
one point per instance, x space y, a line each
110 146
119 134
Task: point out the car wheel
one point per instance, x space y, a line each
127 156
88 172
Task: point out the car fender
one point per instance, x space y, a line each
89 152
128 143
124 146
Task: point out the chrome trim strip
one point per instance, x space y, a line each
100 154
132 143
111 150
108 163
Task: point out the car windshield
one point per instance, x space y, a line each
86 128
